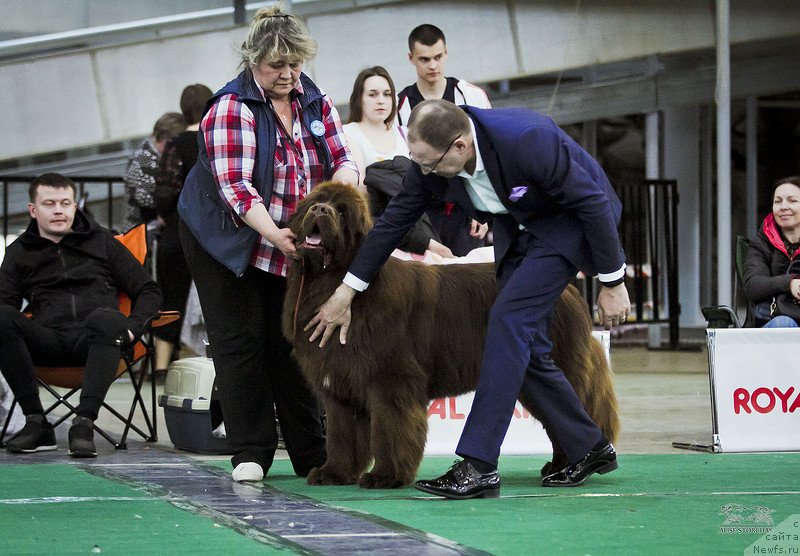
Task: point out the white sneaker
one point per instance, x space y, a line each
248 471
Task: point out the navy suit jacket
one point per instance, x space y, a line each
560 194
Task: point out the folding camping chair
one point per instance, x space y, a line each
141 353
724 316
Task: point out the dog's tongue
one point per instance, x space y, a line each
313 240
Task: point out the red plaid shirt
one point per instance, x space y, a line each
230 137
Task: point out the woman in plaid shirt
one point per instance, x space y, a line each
269 136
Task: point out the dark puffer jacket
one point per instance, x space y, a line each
768 268
63 282
383 181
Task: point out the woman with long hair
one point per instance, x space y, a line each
771 273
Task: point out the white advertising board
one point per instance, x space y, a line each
755 388
446 417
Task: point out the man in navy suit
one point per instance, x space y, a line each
554 213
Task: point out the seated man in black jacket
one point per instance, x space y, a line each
69 269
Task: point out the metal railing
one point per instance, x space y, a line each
649 235
129 31
156 28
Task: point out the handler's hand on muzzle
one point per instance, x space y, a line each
334 313
613 306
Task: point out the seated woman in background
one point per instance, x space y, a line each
771 273
373 137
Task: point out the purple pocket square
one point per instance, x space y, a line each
517 193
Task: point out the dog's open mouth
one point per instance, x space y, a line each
312 241
315 245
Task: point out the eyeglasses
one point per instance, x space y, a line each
429 168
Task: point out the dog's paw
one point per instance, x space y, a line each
321 476
370 480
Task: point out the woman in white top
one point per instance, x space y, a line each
372 134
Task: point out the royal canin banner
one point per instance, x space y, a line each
446 417
755 388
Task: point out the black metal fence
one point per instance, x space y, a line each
649 234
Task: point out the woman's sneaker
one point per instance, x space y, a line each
248 471
81 438
36 436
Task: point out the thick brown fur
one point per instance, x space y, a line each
416 334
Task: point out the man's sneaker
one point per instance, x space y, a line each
81 438
36 436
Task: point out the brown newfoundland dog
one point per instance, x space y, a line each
416 334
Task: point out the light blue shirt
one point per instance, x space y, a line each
478 186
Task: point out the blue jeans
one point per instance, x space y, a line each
781 321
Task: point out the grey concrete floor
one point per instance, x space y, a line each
663 397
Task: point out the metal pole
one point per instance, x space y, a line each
5 215
723 101
707 206
110 197
239 13
652 146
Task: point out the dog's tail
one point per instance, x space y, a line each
583 361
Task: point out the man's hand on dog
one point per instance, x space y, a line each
334 313
613 306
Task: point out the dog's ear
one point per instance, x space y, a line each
296 220
367 219
366 216
358 215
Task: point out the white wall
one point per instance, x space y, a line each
70 100
24 18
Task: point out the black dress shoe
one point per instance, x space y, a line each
600 461
463 481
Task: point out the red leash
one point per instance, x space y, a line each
300 292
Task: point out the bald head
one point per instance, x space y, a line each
440 139
437 122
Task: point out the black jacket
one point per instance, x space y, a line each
63 282
383 181
768 270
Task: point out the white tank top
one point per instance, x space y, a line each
370 153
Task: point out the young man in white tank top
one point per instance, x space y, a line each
428 54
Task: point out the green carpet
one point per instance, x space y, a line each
60 509
653 504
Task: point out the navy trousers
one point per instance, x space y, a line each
517 358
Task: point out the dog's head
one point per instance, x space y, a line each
330 224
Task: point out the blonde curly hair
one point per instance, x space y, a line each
277 36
